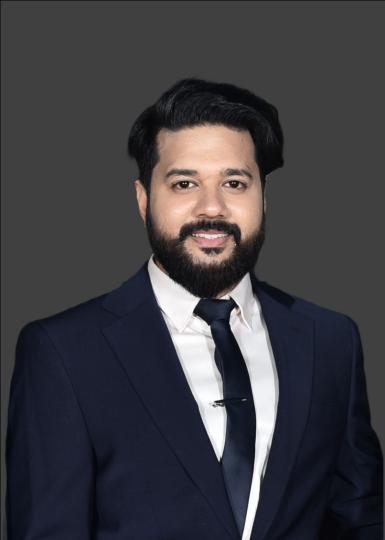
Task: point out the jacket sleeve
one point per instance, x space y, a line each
49 457
355 504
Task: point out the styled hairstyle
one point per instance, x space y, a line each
191 102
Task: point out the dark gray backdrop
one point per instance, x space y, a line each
76 75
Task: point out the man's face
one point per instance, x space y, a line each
206 184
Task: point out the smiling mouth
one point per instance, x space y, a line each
210 239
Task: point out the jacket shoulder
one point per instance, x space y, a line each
92 315
305 306
82 318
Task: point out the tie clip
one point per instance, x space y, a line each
223 402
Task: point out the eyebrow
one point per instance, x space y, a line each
224 172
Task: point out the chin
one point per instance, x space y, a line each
211 255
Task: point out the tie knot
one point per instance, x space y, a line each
214 309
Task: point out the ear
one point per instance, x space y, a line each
264 192
141 197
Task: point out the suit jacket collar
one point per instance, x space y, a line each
155 372
178 304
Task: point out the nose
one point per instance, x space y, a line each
211 203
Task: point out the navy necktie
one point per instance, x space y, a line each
238 455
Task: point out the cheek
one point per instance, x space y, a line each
248 216
168 213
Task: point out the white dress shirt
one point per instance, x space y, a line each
195 348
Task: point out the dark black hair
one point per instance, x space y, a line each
193 101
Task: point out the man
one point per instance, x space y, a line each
195 401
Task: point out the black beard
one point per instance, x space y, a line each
205 280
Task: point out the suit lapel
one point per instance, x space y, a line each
142 343
291 336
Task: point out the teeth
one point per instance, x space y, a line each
210 236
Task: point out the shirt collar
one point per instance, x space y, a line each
178 303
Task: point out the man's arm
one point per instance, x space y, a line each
355 505
49 457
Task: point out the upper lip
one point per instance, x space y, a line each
211 231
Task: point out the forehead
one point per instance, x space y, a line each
205 144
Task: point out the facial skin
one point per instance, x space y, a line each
206 181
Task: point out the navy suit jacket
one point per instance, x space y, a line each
105 440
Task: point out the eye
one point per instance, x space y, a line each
181 185
236 183
184 185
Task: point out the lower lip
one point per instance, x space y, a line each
210 242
